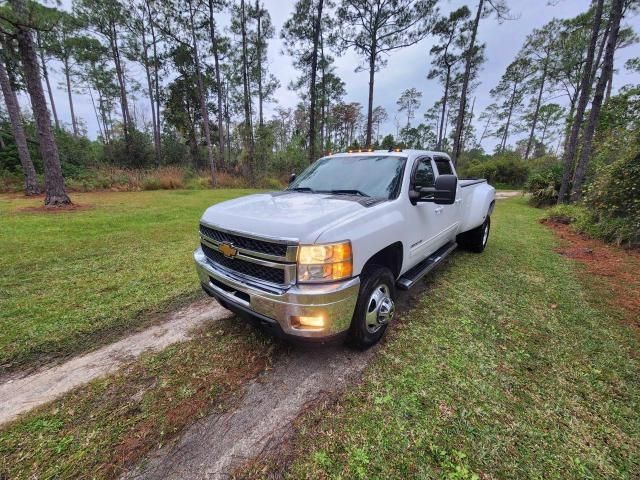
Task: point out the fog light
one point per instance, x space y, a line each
309 323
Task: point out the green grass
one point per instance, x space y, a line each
504 369
73 279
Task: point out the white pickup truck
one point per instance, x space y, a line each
324 257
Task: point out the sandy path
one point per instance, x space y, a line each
19 395
502 194
214 446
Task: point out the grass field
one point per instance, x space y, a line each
504 369
509 365
76 278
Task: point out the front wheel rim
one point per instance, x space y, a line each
380 308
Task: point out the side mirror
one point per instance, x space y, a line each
292 178
443 193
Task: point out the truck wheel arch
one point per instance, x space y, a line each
390 257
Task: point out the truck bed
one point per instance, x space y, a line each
466 182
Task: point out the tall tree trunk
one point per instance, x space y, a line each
505 135
598 59
45 74
585 91
323 100
154 45
259 55
13 109
372 73
446 124
67 76
317 25
445 97
216 63
536 112
147 70
227 120
248 131
609 88
485 130
567 130
124 102
467 128
544 132
594 115
55 193
105 119
95 112
202 97
457 136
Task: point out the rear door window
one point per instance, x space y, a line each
444 166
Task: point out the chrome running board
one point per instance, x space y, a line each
410 278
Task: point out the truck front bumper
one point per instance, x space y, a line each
317 311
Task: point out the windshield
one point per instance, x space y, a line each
376 176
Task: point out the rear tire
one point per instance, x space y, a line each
375 307
476 240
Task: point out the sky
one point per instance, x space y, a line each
406 68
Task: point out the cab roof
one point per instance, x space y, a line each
394 153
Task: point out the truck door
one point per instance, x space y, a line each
450 215
426 219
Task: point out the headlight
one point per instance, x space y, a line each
325 263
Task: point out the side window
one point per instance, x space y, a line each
423 176
444 166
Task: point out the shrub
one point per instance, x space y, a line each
610 210
505 169
544 185
614 199
12 182
272 183
227 180
136 153
576 215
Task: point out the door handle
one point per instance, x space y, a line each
458 200
439 210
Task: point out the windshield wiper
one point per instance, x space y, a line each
302 189
347 192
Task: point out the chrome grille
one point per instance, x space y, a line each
261 272
246 243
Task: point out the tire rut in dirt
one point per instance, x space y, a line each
216 445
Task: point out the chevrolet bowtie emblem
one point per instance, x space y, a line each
228 250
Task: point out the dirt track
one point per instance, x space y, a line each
502 194
216 445
21 394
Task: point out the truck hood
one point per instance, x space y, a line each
294 216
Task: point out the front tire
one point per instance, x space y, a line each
375 307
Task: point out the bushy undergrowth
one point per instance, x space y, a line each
507 170
610 210
544 184
613 200
127 179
